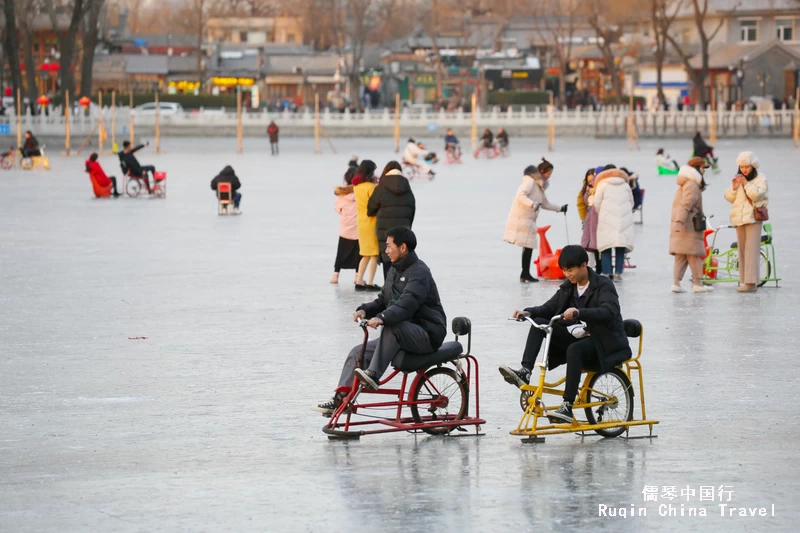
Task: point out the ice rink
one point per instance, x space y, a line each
158 362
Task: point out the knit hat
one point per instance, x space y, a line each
599 169
747 159
698 162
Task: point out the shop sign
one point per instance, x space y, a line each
231 82
184 85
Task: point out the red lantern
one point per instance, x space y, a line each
85 101
43 100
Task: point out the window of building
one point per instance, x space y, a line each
784 29
290 38
242 36
749 31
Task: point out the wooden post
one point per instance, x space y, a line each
100 122
712 122
317 149
797 118
633 136
158 128
551 125
19 118
473 137
113 122
66 123
239 129
397 123
130 112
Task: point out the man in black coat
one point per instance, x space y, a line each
227 175
394 205
599 345
408 308
130 164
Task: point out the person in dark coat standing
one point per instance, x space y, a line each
408 308
273 132
227 175
393 205
598 343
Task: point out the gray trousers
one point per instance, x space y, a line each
379 352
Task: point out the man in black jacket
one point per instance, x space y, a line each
227 175
131 165
394 205
600 345
409 310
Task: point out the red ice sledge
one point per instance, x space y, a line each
547 263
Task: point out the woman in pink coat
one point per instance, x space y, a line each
686 243
347 256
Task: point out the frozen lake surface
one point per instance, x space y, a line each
205 423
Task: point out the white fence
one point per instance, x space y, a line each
609 121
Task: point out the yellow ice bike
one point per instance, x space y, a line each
605 397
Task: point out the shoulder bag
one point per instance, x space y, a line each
699 221
761 214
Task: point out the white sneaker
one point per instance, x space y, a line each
702 288
678 289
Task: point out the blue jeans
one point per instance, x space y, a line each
619 264
237 197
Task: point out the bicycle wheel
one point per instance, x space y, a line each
26 163
765 267
614 384
7 163
450 394
133 188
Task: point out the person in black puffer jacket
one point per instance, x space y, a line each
410 311
393 204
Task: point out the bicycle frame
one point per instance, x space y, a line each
728 261
529 425
343 426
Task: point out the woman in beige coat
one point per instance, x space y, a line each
521 224
685 243
748 190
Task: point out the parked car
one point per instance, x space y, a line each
164 108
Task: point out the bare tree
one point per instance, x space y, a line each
67 40
11 44
90 36
192 18
601 18
555 23
26 13
663 13
354 23
700 11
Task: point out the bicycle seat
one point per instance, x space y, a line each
411 362
633 328
764 240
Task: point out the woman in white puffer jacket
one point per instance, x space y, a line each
748 190
613 201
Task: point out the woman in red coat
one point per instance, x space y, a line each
98 176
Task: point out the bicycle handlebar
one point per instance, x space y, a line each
539 326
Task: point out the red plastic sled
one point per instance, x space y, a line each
547 263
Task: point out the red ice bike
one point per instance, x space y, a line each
433 395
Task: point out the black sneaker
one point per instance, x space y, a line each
374 288
369 378
518 378
361 287
562 414
327 408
